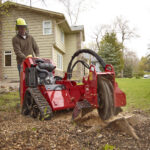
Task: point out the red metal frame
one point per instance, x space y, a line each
73 93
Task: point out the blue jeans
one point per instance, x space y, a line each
19 69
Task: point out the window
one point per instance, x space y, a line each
7 58
47 27
59 61
62 36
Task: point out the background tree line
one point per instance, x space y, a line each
110 43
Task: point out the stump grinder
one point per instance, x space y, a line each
43 93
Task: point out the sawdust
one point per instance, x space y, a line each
91 119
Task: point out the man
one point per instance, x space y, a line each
24 44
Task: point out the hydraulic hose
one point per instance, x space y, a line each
88 51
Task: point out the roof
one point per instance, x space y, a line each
77 29
63 22
56 14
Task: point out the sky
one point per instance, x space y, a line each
137 12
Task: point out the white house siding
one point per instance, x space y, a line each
35 25
71 47
59 43
49 45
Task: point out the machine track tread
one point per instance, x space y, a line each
43 106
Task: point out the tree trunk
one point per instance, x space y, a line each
122 73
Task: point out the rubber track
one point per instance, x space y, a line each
43 105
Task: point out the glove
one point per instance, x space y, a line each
29 56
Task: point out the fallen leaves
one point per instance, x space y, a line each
19 132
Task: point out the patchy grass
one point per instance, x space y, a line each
137 92
9 101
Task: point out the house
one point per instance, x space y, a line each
56 39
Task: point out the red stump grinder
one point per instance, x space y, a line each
43 93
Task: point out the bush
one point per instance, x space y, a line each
138 74
128 72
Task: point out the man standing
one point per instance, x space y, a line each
23 43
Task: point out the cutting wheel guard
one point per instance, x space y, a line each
82 107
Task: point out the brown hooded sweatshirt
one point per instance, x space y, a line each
24 47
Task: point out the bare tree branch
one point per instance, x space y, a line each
78 11
67 6
100 32
43 1
30 2
74 9
122 27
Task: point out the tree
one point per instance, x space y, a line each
43 1
144 64
4 11
92 45
130 63
148 55
74 8
128 71
110 51
100 32
4 8
121 26
148 60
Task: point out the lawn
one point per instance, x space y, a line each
9 101
137 92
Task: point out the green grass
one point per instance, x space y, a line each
8 101
137 93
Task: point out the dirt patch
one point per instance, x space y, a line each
19 132
8 86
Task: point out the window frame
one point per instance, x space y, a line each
61 62
47 28
5 54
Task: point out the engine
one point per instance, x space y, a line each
42 73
